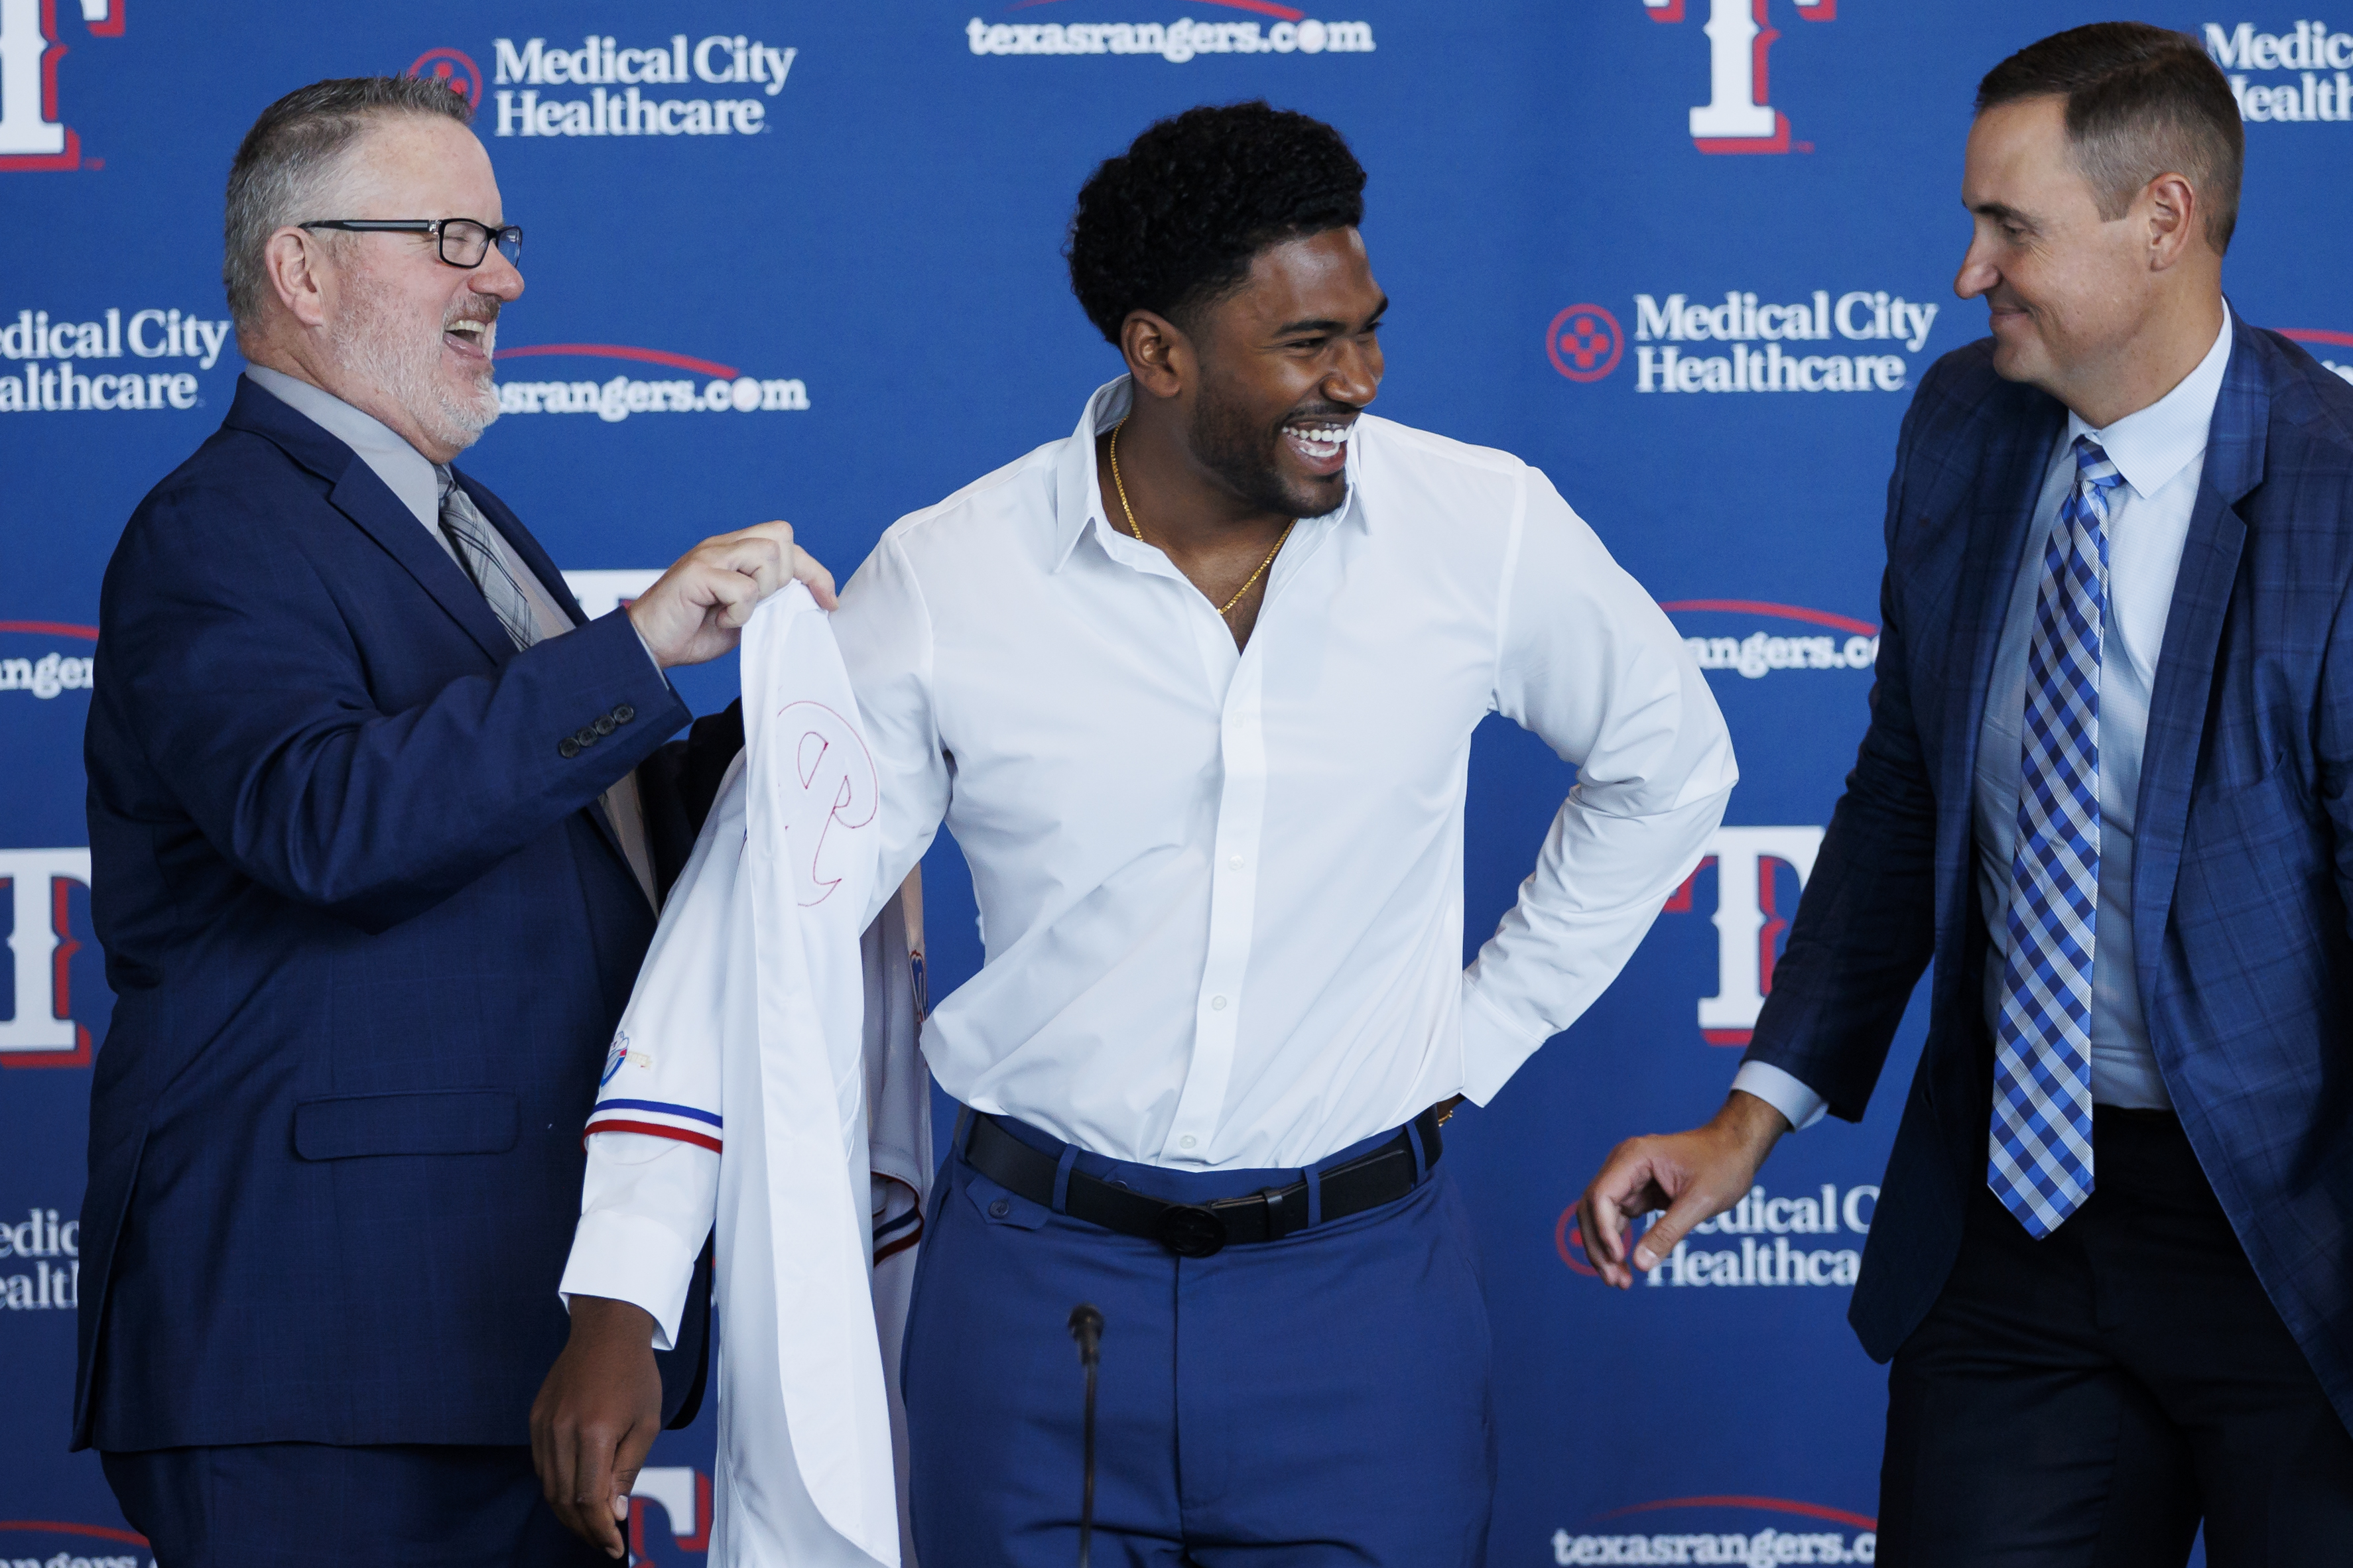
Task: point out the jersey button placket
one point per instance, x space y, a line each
1233 900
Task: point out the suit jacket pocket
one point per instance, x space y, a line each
439 1121
2251 852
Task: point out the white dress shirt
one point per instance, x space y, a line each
2160 451
416 482
1220 891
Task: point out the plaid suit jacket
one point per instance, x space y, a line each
368 940
2240 931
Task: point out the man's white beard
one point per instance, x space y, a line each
373 345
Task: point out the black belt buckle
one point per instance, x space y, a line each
1190 1230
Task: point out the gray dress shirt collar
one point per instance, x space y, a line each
405 470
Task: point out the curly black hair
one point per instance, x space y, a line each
1172 224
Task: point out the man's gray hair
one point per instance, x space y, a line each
294 157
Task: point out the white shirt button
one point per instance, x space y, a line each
1216 1004
1234 862
1187 1142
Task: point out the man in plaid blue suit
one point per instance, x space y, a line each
2107 787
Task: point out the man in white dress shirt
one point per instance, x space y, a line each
1194 688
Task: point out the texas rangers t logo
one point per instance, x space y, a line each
32 133
1738 117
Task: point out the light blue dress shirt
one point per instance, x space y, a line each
2160 450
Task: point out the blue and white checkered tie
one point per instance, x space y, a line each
2040 1154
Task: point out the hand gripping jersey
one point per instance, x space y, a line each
764 1089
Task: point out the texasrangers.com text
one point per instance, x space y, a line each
1766 1546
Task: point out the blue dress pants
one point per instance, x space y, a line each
1310 1401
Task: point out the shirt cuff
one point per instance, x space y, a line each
649 652
1785 1094
629 1258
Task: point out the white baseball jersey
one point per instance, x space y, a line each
763 1088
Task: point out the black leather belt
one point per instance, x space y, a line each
1200 1230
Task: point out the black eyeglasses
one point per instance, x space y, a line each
463 242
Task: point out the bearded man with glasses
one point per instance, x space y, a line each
378 825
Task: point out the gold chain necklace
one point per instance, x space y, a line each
1121 485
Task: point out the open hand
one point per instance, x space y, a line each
1694 1176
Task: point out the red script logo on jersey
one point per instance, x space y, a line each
838 788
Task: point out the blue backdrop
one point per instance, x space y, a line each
801 261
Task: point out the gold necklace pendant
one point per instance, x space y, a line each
1121 485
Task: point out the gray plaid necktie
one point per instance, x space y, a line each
476 542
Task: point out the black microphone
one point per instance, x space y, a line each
1086 1327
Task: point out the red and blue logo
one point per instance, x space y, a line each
50 1541
1585 342
1728 1529
56 1004
1739 115
454 69
683 384
1806 639
681 1495
1758 870
33 133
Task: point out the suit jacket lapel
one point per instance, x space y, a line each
543 565
2193 631
362 496
1998 538
527 548
359 495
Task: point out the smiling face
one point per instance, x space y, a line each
409 336
1287 363
2067 291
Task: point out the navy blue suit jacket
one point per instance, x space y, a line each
369 933
2245 859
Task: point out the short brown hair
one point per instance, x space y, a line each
291 156
2141 101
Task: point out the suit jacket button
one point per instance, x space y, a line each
623 713
584 735
604 726
568 748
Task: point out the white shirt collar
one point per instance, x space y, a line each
1076 488
2151 444
1078 492
405 470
